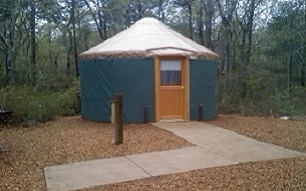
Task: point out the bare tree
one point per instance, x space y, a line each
226 9
187 5
161 11
33 39
96 8
209 12
10 11
303 65
74 38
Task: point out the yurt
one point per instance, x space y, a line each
161 74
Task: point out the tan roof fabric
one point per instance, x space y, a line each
148 38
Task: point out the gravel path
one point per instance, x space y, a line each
73 139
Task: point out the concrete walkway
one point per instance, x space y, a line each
214 147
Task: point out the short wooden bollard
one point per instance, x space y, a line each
118 119
5 117
200 112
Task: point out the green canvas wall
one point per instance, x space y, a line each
102 78
203 90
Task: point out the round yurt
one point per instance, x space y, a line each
161 74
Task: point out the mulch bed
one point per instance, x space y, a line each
70 139
74 139
287 133
283 174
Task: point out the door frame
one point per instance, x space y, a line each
185 68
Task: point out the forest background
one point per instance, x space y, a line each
261 43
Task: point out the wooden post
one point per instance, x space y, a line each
118 119
200 112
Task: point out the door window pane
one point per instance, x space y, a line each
170 72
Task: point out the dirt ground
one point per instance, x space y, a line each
73 139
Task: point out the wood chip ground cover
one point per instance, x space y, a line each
69 140
284 174
286 133
73 139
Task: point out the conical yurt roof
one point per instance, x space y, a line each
148 37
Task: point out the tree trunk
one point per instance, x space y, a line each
139 9
225 52
200 23
69 50
9 39
74 44
33 42
10 53
76 59
102 23
161 14
226 19
50 48
243 55
98 20
303 67
190 21
209 12
289 72
105 33
250 32
128 16
291 48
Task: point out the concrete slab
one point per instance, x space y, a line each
227 143
91 173
179 160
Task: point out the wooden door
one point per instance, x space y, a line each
171 88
